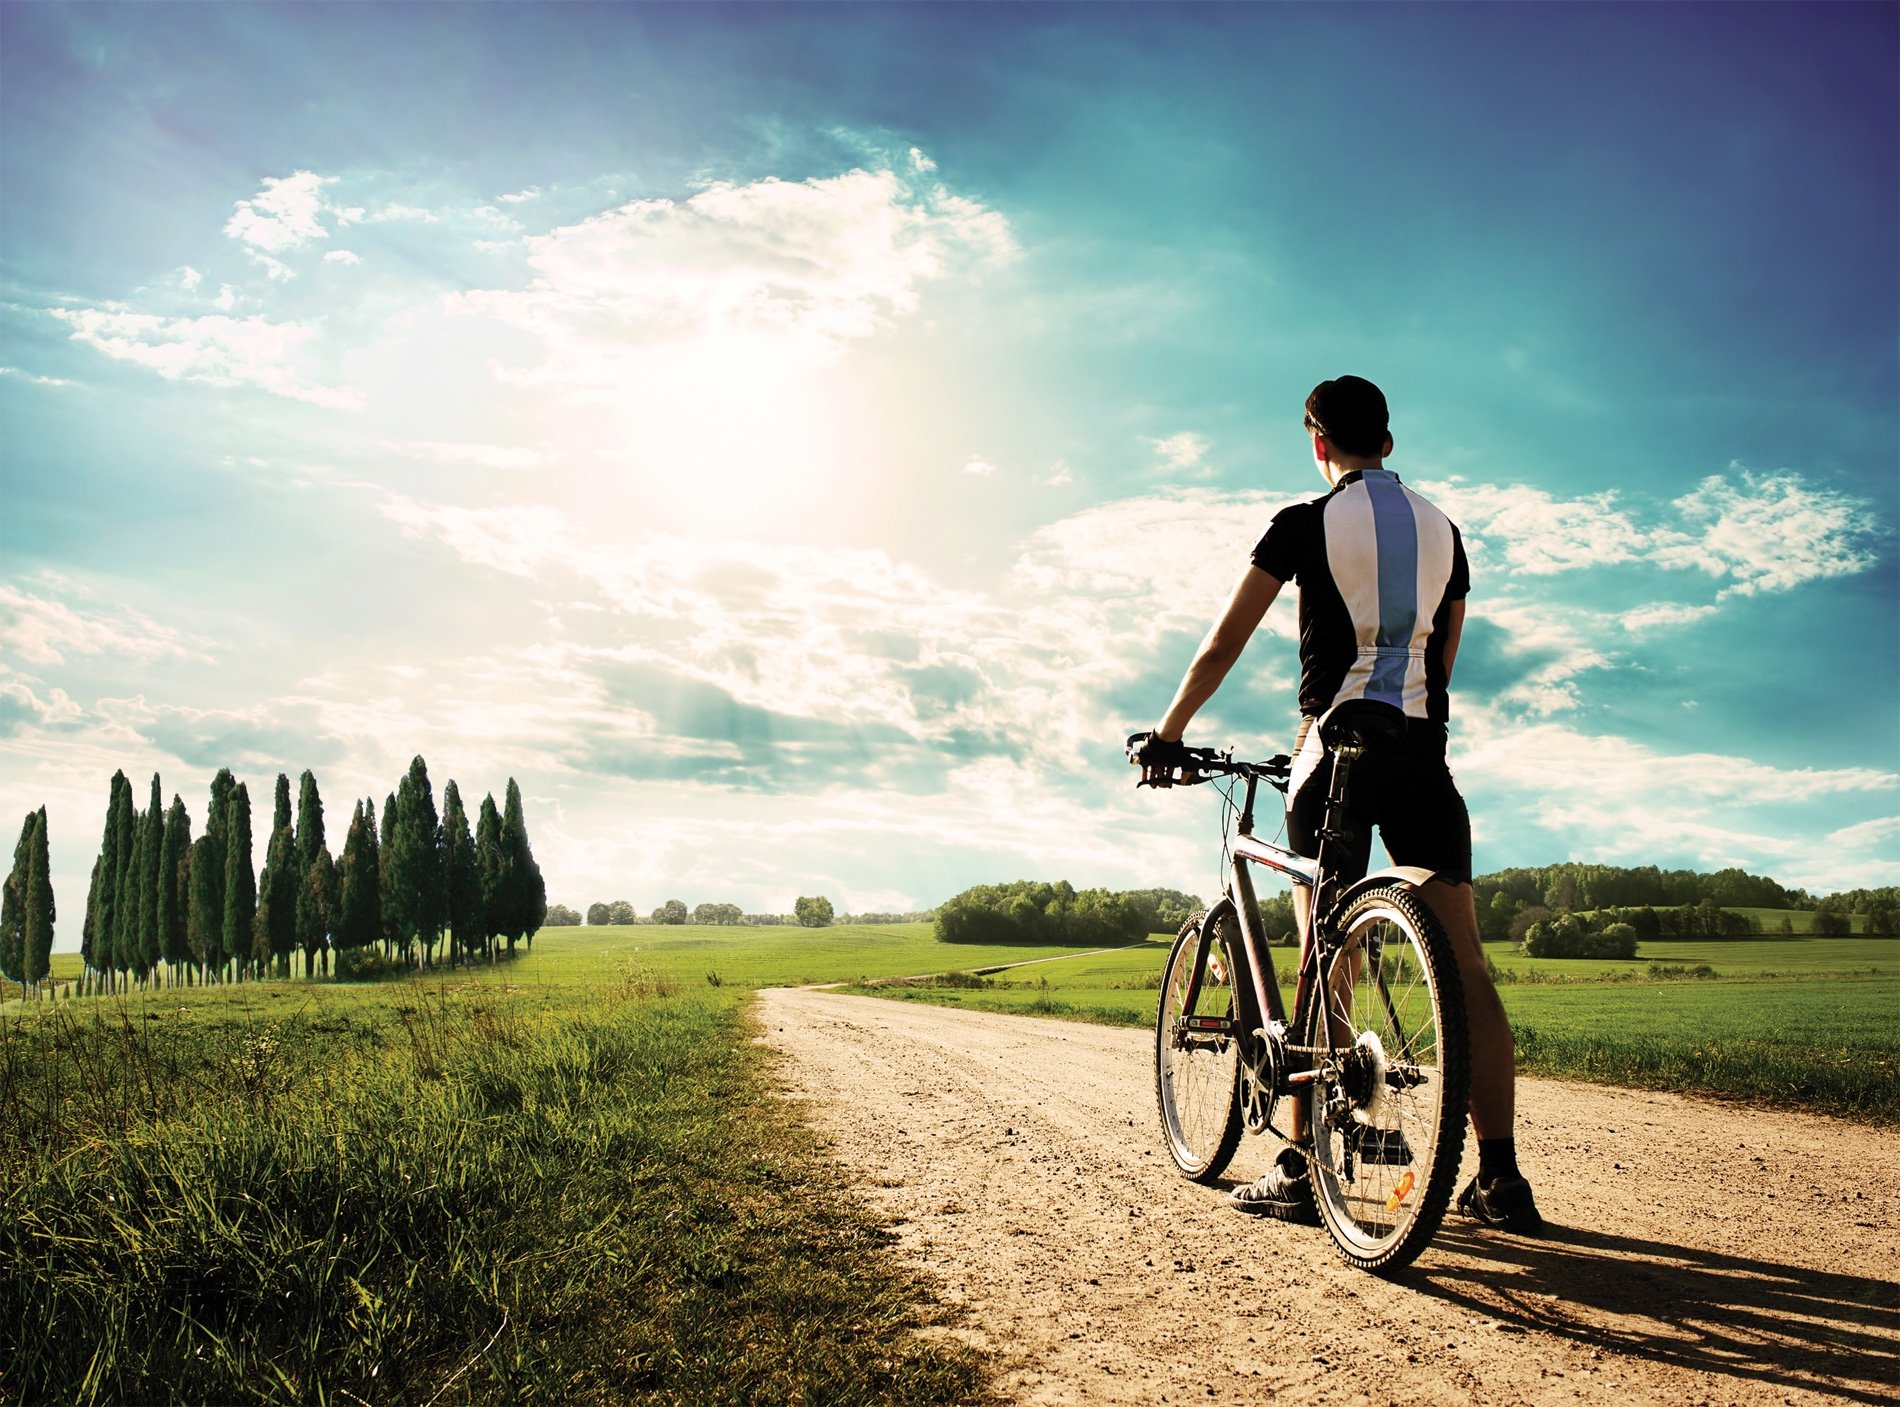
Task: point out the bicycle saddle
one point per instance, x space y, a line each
1360 723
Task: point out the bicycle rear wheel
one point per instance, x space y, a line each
1197 1054
1388 1114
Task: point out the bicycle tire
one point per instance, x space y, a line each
1197 1080
1388 1119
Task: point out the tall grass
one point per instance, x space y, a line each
456 1195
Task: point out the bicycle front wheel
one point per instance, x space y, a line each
1388 1113
1197 1050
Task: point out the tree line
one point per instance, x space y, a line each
1034 911
163 904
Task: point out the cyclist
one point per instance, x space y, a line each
1383 579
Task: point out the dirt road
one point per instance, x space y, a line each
1698 1253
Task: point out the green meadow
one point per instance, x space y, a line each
1798 1022
566 1178
561 1179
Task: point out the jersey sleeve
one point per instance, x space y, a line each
1282 552
1459 585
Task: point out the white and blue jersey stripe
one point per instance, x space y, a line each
1378 567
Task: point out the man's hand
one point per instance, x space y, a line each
1158 757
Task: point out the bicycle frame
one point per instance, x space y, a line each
1263 1019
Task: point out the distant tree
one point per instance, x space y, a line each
13 908
414 857
359 919
461 879
621 911
672 911
386 875
40 910
1278 919
95 940
812 912
240 880
1524 919
1164 910
561 916
526 903
275 935
204 906
1615 940
598 913
1494 916
125 902
151 854
1883 917
174 935
280 805
491 873
716 913
316 905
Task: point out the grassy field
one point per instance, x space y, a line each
1797 1022
564 1179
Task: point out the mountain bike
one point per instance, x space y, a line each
1375 1045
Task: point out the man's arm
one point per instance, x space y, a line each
1252 594
1454 627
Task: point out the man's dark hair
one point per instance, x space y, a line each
1350 412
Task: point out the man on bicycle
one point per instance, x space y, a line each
1383 580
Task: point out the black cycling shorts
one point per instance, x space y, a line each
1403 787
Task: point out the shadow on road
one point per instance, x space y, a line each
1773 1324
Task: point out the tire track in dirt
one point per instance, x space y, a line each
1700 1252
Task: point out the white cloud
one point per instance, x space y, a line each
521 541
217 350
28 376
772 269
516 197
1663 615
44 630
1772 532
982 468
1060 475
283 215
920 162
396 211
1181 453
341 256
189 278
1866 834
20 703
1765 533
1537 533
484 456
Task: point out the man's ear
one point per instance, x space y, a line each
1386 453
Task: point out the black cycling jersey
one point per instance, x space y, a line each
1378 568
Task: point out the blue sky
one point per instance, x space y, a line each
798 443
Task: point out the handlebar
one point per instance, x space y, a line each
1166 764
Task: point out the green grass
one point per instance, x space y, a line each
1802 1023
565 1180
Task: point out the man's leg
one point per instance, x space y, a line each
1498 1195
1493 1053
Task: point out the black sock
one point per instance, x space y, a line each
1497 1157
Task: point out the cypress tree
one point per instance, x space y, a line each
222 786
275 937
461 882
39 905
359 920
280 817
316 877
13 910
95 943
174 937
386 877
415 862
491 870
525 902
151 867
239 920
125 900
204 903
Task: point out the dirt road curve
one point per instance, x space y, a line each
1698 1253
